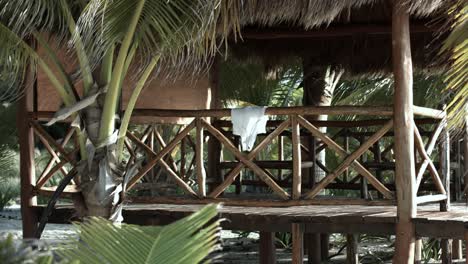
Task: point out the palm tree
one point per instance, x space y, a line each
109 37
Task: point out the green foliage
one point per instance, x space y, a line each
456 47
244 83
188 240
19 252
9 178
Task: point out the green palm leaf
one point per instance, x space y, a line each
188 240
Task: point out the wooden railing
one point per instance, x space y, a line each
191 159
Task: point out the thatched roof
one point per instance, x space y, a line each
354 34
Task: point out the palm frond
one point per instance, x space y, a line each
188 240
456 46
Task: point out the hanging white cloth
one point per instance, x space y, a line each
247 123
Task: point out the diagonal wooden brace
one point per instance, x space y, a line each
350 159
247 161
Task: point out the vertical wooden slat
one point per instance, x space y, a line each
297 233
404 134
182 159
352 256
446 247
418 251
201 177
239 178
324 246
346 147
267 248
444 149
457 249
27 170
378 158
296 149
280 155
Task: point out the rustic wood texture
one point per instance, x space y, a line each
267 249
297 233
201 176
352 256
296 150
245 160
351 219
404 134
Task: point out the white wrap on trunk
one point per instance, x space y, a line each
247 123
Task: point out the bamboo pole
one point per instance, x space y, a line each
404 134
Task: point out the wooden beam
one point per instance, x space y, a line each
418 245
405 178
27 170
431 198
429 112
297 233
330 31
201 176
444 149
267 249
296 156
296 110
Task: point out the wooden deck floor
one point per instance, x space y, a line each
430 222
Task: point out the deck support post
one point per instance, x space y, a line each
297 234
314 255
446 246
324 246
457 249
418 251
352 256
267 248
27 170
404 135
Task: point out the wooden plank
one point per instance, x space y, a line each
349 160
246 160
446 248
341 152
296 156
297 233
418 245
405 177
428 112
431 198
258 201
267 250
296 110
201 176
170 146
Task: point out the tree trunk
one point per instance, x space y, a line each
101 174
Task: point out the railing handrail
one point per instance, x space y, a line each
272 111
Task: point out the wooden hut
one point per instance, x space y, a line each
361 36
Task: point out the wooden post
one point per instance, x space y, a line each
296 149
239 178
446 247
465 235
352 256
405 178
201 177
418 251
297 233
27 170
314 254
444 150
324 249
465 162
267 248
457 249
